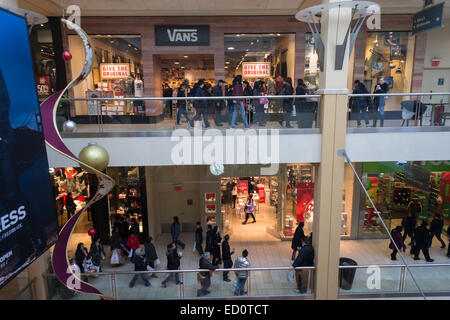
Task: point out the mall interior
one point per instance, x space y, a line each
400 167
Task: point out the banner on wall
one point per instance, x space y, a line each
114 70
28 225
255 69
43 86
242 187
305 196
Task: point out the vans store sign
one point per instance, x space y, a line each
182 35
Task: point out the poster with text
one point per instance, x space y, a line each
305 196
28 225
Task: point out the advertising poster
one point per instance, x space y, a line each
305 194
242 187
445 195
28 225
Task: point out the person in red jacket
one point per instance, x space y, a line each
133 242
398 238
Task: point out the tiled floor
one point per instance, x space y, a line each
268 251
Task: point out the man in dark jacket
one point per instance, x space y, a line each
422 241
359 104
436 229
173 263
305 258
175 232
150 254
199 238
297 240
201 106
205 263
409 224
124 231
139 265
209 238
181 104
219 91
226 257
398 239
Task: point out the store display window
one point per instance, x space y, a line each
41 43
389 55
312 66
269 56
127 199
400 188
117 72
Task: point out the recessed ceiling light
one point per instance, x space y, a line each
129 45
182 67
278 34
176 62
238 35
228 62
186 57
230 48
226 67
42 25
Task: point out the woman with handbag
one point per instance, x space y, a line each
259 102
249 209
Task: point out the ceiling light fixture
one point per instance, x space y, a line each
228 62
176 62
230 48
186 57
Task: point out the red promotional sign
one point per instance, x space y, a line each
43 85
305 194
242 186
262 194
255 69
114 70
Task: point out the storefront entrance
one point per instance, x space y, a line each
235 193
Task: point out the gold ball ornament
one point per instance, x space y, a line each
95 156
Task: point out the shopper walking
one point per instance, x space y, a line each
216 246
238 104
205 276
241 276
97 253
234 195
436 229
259 102
287 102
201 106
398 239
305 258
81 256
296 243
124 232
304 114
249 209
409 224
359 104
248 91
134 227
173 263
150 254
219 91
168 92
226 257
133 242
422 241
115 239
70 205
181 104
209 239
139 265
379 102
199 238
175 232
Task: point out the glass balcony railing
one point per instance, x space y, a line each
261 282
399 110
154 113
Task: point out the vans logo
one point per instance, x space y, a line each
183 35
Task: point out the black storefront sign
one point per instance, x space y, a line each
182 35
429 18
417 177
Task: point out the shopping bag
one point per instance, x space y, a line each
90 267
194 248
294 112
115 259
266 106
291 276
130 253
157 262
150 269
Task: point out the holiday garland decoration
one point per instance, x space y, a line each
60 260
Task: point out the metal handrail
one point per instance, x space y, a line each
396 266
413 94
193 98
189 270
